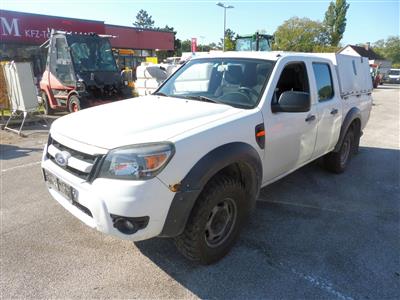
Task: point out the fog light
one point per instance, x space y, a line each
127 225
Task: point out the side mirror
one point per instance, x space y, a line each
292 101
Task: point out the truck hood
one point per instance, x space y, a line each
138 120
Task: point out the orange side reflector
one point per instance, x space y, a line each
260 133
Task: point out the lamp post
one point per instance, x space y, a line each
225 7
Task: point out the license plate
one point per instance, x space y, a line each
56 183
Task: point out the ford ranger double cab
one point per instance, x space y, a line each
188 161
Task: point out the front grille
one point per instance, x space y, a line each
74 153
88 159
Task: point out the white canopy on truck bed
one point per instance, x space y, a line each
353 73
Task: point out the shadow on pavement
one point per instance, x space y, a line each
8 152
313 234
388 86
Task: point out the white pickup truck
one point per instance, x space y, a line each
188 161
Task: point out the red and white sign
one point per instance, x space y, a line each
35 29
194 45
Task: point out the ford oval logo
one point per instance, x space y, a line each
62 158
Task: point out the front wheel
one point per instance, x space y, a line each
215 222
46 105
338 161
74 104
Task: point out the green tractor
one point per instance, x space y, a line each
254 42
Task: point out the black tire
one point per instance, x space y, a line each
206 239
48 111
74 104
337 161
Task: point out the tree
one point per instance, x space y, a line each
230 40
186 46
214 46
389 49
335 21
300 34
143 20
230 43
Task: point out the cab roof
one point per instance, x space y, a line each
267 55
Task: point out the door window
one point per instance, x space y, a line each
323 78
293 78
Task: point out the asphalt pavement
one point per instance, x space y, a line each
314 234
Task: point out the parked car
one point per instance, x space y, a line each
188 161
393 76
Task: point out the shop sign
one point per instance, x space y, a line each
32 28
194 45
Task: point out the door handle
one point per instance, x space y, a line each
310 118
334 111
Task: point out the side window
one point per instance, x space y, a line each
323 78
293 78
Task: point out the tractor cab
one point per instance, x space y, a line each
254 42
80 72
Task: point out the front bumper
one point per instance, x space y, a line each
105 197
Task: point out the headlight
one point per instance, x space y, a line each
136 162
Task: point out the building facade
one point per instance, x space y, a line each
22 34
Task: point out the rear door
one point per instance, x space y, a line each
329 114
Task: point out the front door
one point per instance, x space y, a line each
290 136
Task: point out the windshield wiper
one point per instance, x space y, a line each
160 94
204 98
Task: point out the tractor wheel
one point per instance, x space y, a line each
74 104
48 111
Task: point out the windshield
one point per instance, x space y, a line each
394 72
250 44
233 81
91 53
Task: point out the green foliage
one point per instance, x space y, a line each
325 49
143 20
389 49
167 28
300 34
335 21
230 43
186 46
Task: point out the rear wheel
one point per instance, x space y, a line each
74 104
215 222
337 161
46 105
